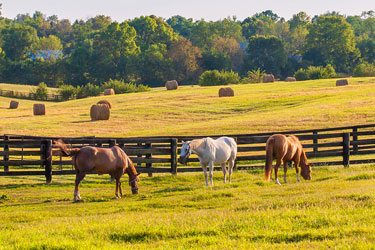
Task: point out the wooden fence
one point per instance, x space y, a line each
30 96
29 155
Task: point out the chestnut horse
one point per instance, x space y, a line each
112 161
285 149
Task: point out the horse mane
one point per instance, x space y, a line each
62 147
194 144
303 159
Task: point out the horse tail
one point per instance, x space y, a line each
269 158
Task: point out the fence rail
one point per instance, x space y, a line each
30 96
31 155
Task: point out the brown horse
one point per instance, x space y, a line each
113 161
285 149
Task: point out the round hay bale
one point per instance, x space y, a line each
223 92
39 109
13 104
290 79
106 103
171 85
100 112
342 82
109 92
268 78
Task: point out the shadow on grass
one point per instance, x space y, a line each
135 237
83 121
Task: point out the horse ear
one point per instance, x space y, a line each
183 141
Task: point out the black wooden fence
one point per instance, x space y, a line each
29 155
30 95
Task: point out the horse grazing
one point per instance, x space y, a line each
211 152
112 161
285 149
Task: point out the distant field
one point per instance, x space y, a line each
194 110
23 88
333 211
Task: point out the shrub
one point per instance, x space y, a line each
254 76
88 90
67 92
41 91
364 69
120 87
315 72
214 77
301 75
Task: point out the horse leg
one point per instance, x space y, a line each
204 167
278 163
79 177
211 166
230 169
296 164
223 167
285 169
116 192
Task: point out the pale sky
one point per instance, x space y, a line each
121 10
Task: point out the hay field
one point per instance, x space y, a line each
194 110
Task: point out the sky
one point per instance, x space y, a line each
210 10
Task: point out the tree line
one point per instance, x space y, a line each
151 50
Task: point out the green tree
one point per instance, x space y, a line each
367 48
181 25
266 53
331 41
152 30
17 41
111 51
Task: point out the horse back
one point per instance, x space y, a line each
101 160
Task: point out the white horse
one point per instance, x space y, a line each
211 152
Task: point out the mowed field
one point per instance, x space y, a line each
194 110
335 210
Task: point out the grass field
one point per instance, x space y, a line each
24 88
333 211
194 110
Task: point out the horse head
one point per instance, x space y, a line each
63 150
306 171
185 152
133 182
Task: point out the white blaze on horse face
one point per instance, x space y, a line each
185 150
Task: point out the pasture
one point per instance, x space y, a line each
334 210
194 110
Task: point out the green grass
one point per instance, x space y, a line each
24 88
194 110
334 210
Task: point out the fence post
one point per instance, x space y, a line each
148 156
174 154
315 141
346 149
355 138
139 144
6 149
47 153
112 143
